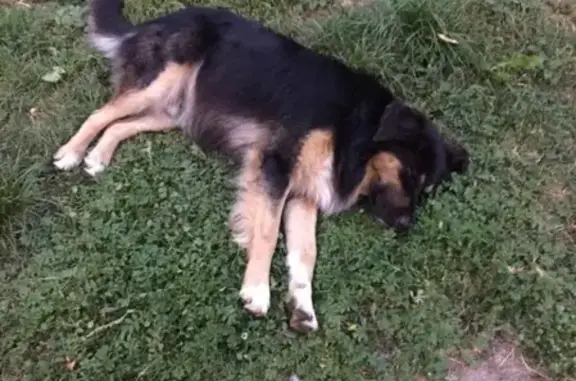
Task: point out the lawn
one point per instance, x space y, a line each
132 276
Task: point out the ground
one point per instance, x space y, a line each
133 275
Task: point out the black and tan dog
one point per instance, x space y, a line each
308 133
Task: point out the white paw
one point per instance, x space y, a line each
66 159
94 165
300 302
256 299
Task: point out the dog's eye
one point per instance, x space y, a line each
412 175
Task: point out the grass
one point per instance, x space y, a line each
133 276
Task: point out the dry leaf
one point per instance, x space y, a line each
55 75
447 39
70 363
515 270
33 113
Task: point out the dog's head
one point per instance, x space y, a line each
409 157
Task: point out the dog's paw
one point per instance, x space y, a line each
256 299
66 159
299 301
94 164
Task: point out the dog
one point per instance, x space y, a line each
308 134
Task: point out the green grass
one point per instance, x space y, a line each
144 253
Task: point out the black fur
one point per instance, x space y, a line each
250 72
106 18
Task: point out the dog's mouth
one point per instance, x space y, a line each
401 224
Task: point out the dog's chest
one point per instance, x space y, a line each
313 175
321 188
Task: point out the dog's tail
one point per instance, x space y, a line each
107 26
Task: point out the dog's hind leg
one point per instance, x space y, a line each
165 88
100 156
300 216
130 103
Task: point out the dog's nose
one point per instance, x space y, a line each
403 223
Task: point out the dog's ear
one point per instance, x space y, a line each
457 157
399 122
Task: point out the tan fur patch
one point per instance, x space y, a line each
313 173
255 220
103 152
166 86
242 215
245 133
180 98
300 216
385 168
159 94
172 74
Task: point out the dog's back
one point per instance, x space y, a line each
229 82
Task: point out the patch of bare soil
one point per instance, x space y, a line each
322 13
23 3
355 3
501 362
9 3
557 192
563 13
560 194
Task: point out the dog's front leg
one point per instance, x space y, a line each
300 216
255 223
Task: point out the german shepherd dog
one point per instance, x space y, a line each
308 133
